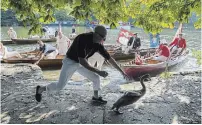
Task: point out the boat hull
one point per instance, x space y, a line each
31 41
6 42
135 71
57 63
46 63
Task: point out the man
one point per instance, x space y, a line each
73 29
11 33
46 50
83 47
46 31
134 41
154 40
163 53
179 44
62 42
4 53
96 59
73 34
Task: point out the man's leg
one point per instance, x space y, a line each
68 68
96 82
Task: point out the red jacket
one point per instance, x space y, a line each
182 43
165 51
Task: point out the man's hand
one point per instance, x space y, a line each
103 73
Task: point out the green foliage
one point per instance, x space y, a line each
8 17
151 15
62 15
197 54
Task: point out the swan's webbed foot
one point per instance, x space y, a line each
117 111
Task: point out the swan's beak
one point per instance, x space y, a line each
148 79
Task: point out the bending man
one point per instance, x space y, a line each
83 47
46 50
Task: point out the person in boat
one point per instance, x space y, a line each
46 31
56 33
135 42
5 54
83 47
179 45
11 33
73 34
62 42
163 53
154 40
73 29
46 50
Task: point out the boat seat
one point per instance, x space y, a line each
150 61
59 56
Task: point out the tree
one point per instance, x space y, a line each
151 15
62 15
7 18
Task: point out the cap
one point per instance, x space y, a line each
101 30
134 33
163 41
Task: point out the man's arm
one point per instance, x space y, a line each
38 53
184 47
106 55
115 65
41 57
85 64
174 42
130 41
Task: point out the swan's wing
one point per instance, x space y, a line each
137 94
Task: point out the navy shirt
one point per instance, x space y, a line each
84 47
46 49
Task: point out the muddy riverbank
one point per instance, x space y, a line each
175 100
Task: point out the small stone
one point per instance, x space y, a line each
84 100
149 119
130 110
134 119
53 122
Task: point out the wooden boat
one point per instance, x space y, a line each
152 67
32 41
119 55
29 57
45 63
6 42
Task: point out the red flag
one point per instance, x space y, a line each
124 36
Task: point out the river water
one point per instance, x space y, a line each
193 38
